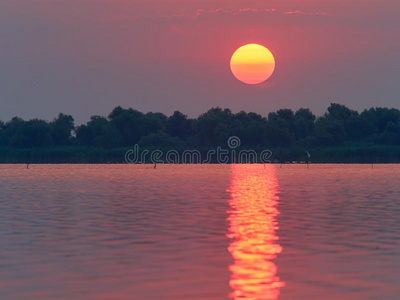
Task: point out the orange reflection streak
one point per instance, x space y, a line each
252 229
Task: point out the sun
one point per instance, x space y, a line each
252 64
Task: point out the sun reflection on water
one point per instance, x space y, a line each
252 228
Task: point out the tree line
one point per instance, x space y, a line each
339 126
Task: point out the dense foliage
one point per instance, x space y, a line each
339 126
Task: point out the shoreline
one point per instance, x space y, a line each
203 164
293 155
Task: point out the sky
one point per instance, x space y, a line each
85 57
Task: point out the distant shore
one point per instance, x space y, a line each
96 155
341 135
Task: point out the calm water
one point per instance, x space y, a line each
199 232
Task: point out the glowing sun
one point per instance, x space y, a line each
252 64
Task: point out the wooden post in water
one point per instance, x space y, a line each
28 158
308 159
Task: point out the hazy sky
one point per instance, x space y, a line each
84 57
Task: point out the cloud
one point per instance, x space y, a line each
298 12
221 11
200 12
204 13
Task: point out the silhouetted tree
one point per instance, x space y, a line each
61 129
304 123
160 139
283 128
178 125
279 129
32 133
213 126
97 132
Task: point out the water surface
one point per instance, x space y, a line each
199 232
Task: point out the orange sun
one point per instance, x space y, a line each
252 64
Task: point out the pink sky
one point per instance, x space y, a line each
85 57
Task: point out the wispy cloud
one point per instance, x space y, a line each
299 12
221 11
200 13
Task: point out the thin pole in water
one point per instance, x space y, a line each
28 158
308 159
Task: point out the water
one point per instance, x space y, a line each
199 232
